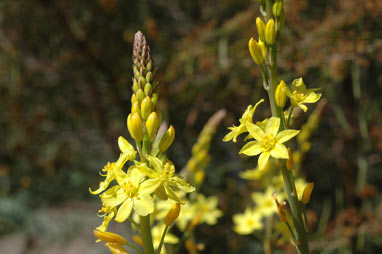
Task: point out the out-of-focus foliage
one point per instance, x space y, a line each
65 78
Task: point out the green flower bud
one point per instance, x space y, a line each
135 126
280 24
146 107
135 108
148 89
142 82
135 85
134 98
154 99
270 32
260 28
140 95
152 125
149 76
277 8
256 52
281 94
167 139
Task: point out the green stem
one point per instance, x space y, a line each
162 240
301 236
146 235
134 247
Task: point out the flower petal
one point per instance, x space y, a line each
252 148
147 171
143 205
311 96
279 151
263 159
124 211
149 186
255 131
272 126
286 135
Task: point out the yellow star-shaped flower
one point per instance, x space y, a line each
300 95
268 142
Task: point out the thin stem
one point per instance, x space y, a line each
146 235
134 247
162 239
289 116
305 218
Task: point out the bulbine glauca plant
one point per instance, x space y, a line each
141 187
270 139
142 174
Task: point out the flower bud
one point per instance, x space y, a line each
135 126
140 95
277 8
280 94
116 248
260 28
263 49
289 161
148 89
307 192
135 108
199 177
270 32
135 85
152 125
149 76
134 98
255 50
173 214
146 107
141 81
167 139
124 145
110 237
154 99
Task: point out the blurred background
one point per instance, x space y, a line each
65 87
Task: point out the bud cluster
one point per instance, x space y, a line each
267 31
144 120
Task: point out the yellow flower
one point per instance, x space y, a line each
268 142
246 118
265 204
129 193
247 222
300 95
128 154
162 179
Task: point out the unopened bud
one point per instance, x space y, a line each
167 139
307 192
110 237
289 162
199 177
263 49
173 214
154 99
135 126
255 50
142 82
116 248
152 125
135 108
146 107
260 28
148 89
135 85
140 95
124 145
281 94
149 76
277 8
270 32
